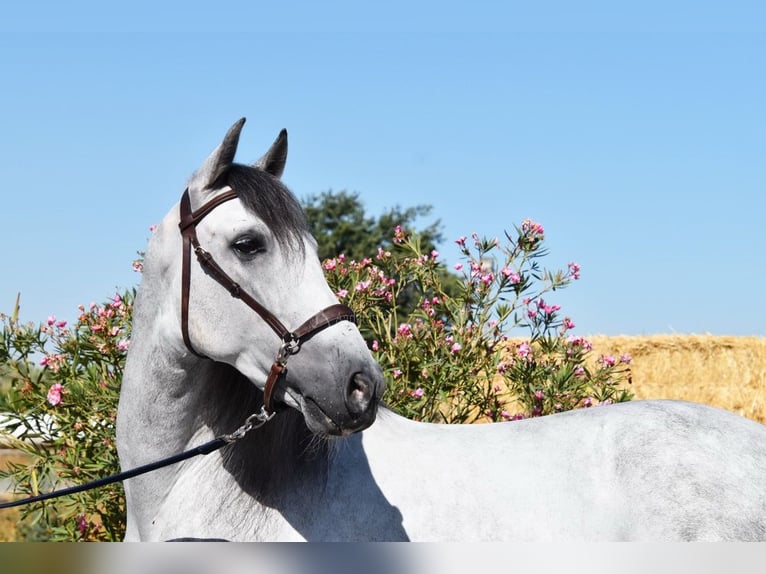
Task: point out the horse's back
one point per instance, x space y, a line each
656 470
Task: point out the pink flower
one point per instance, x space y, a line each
506 415
405 329
568 323
54 394
61 324
138 266
51 320
417 393
428 308
362 286
375 345
330 265
574 270
342 293
123 345
511 275
551 309
626 358
434 254
538 395
397 373
458 266
82 524
523 349
461 241
456 348
580 342
532 228
152 228
608 360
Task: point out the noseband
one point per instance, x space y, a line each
291 340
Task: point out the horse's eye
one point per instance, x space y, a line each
248 246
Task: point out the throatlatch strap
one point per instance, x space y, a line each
187 232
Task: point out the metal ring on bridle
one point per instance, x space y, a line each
254 421
289 347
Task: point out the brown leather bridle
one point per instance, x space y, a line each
291 340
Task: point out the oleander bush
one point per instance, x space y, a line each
495 349
60 411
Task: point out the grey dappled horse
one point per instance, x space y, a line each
200 361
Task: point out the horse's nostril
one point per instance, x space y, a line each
360 391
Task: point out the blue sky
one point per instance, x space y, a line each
634 132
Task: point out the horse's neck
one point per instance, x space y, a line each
161 384
157 401
171 402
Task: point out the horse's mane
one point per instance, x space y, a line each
270 200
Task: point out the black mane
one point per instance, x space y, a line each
272 202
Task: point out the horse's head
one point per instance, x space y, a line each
255 281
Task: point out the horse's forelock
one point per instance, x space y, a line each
271 201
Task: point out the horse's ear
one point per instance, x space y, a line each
219 161
273 161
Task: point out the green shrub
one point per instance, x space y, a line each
451 360
61 410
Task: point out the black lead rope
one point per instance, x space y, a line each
206 448
253 421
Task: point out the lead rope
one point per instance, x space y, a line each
254 421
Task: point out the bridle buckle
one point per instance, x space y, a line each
290 346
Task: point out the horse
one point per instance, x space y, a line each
330 462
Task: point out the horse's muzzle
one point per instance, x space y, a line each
352 411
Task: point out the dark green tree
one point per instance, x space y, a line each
340 224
